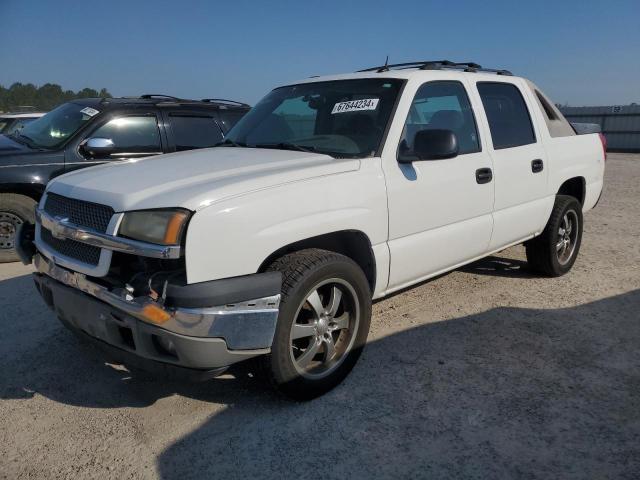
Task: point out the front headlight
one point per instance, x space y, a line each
164 227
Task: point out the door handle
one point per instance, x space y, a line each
537 165
484 175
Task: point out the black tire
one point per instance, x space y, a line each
543 254
303 273
14 211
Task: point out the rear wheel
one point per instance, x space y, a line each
14 211
325 312
554 252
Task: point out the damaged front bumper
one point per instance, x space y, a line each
237 325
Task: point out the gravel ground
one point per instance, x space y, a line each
487 372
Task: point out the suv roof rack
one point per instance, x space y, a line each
171 99
437 65
148 96
223 100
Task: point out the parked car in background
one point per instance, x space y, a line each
13 121
331 192
90 131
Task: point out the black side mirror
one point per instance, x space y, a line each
98 147
431 145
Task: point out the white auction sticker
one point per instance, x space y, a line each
90 111
356 105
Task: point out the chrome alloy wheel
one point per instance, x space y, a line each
567 236
325 328
9 224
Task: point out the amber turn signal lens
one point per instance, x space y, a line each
155 314
174 228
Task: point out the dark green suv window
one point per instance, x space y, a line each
191 132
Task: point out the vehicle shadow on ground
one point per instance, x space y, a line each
499 267
501 394
507 393
40 356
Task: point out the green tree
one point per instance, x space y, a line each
49 95
87 93
21 94
45 97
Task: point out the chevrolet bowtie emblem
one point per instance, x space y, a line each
58 227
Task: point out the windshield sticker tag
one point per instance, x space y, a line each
90 111
356 105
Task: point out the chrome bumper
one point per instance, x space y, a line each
62 228
245 325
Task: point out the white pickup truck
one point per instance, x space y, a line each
329 193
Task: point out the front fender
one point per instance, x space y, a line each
29 172
233 237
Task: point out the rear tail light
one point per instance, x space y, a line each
603 139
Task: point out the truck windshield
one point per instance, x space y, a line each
343 118
56 127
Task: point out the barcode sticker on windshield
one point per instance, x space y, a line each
356 105
90 111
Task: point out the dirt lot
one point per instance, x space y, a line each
487 372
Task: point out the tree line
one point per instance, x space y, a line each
43 98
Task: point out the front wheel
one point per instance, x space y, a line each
14 211
554 252
325 312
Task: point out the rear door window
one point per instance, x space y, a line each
507 113
190 132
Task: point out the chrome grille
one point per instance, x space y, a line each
79 212
84 214
70 248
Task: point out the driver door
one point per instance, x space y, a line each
134 136
440 211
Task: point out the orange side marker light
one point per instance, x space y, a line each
155 314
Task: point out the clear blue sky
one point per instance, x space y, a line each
581 52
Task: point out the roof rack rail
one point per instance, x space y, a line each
438 65
147 96
387 67
224 100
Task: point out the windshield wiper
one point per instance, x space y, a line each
31 142
27 138
23 139
286 146
229 142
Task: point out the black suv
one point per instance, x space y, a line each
91 131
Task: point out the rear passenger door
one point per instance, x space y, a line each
192 130
519 160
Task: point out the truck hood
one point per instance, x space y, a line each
194 179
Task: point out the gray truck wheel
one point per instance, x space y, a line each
14 211
555 250
325 312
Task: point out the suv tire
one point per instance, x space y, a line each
325 313
554 252
14 211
